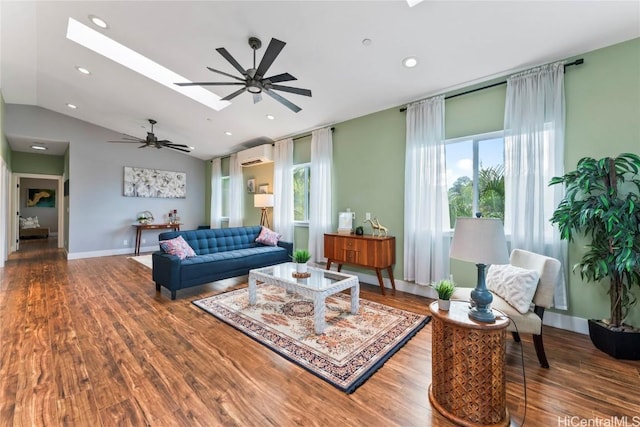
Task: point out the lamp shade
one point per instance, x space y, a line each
479 240
263 200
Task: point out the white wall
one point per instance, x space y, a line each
100 217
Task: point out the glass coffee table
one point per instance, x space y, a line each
317 287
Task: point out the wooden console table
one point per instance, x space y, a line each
468 367
364 251
140 227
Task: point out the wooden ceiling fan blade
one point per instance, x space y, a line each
234 94
293 107
178 148
273 50
296 90
222 51
284 77
226 74
210 84
171 144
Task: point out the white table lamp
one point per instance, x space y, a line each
263 201
481 241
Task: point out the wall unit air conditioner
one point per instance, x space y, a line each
256 155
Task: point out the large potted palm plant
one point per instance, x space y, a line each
602 202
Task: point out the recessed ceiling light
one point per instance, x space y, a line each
83 70
366 42
271 117
39 147
131 59
98 21
410 62
228 133
72 106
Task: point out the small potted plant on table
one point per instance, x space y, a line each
301 257
445 289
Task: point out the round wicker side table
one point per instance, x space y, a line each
468 367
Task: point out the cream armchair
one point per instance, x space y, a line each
548 270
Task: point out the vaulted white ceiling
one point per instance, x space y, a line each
457 43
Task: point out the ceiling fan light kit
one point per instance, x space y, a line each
253 79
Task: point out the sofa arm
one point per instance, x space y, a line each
288 246
166 270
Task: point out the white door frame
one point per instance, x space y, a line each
15 232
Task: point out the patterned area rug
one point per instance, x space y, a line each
350 350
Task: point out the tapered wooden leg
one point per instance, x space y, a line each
173 295
542 358
379 274
393 282
516 336
158 286
328 264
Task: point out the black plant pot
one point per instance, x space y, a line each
618 344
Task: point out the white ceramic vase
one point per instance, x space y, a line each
443 304
301 267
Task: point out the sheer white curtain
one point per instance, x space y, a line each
283 189
426 204
320 191
534 153
215 219
236 192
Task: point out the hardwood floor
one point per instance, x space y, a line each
90 343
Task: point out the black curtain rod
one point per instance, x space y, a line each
504 82
306 135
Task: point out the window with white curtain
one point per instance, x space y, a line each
225 197
475 176
301 191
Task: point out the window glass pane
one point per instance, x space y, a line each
301 193
491 178
480 159
225 196
459 157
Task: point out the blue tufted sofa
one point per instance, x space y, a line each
220 253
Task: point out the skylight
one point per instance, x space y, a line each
131 59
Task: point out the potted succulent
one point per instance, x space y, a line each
301 257
445 289
602 202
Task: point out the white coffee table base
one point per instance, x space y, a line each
318 296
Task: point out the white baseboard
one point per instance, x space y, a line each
109 252
569 323
556 320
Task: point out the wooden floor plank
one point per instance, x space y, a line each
90 342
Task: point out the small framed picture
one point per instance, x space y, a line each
251 185
263 189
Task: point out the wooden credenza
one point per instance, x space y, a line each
364 251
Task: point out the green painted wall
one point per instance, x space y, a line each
43 164
603 119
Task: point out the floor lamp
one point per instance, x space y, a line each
263 201
481 241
